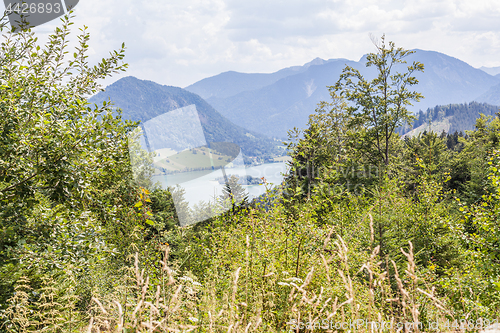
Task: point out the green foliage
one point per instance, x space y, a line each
57 154
425 154
325 151
480 224
410 196
380 105
68 199
476 151
47 127
163 209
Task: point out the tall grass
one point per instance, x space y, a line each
180 304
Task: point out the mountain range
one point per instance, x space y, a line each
255 110
273 103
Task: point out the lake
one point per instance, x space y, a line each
202 185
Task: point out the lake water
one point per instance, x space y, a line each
202 185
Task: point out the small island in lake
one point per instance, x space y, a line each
246 180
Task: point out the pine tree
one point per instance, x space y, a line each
233 194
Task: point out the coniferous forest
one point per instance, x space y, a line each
369 232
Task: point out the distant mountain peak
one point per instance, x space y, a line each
491 70
315 61
319 61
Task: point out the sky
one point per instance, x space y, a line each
178 42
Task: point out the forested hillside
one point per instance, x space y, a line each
142 100
453 117
369 232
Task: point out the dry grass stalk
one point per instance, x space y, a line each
151 312
165 308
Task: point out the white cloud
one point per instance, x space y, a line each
179 42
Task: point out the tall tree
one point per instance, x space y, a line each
380 105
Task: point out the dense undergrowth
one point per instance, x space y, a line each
269 271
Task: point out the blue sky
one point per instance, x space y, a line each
178 42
